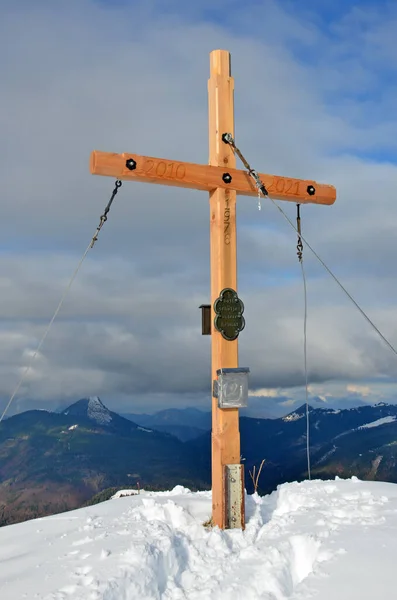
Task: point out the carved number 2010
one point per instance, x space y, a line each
165 169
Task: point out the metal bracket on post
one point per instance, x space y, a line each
234 496
205 319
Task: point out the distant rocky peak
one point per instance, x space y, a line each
92 408
96 411
299 413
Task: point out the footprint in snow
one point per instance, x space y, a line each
83 541
83 570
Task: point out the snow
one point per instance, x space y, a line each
97 411
325 456
144 429
72 427
122 493
317 540
293 417
378 422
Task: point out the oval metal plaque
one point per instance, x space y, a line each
229 320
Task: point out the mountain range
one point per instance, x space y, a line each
52 462
360 441
185 423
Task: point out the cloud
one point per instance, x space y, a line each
132 76
364 390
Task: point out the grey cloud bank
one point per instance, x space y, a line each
83 77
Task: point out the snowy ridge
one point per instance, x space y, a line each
97 411
293 417
378 422
325 456
317 540
301 413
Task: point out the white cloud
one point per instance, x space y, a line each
266 393
363 390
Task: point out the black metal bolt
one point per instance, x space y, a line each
227 178
311 190
130 164
225 138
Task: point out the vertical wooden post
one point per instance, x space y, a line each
223 252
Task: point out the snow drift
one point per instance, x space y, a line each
319 540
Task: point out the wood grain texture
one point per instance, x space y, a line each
223 257
177 173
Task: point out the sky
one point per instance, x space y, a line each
315 97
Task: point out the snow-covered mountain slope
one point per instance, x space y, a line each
378 422
317 540
92 408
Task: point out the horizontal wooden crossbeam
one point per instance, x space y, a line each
147 169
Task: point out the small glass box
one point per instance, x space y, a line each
231 388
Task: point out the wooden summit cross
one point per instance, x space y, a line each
223 182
